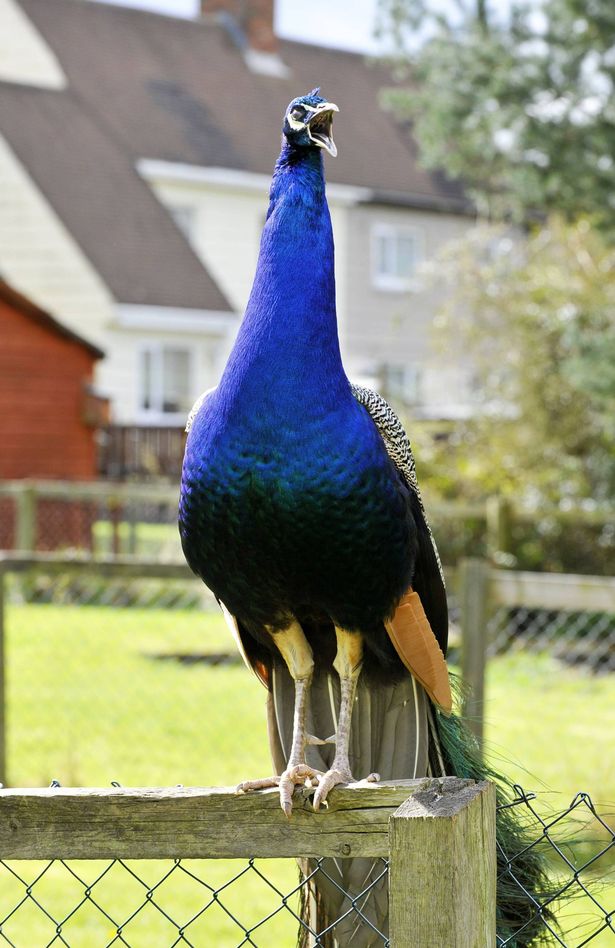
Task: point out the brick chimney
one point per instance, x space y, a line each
253 17
249 23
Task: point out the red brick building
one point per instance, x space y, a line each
48 412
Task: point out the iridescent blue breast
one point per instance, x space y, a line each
312 518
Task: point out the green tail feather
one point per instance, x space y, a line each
517 911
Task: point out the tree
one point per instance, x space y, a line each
520 107
538 320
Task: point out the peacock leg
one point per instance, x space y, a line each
347 664
297 653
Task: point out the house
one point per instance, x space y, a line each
49 413
135 156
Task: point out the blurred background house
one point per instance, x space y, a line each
49 414
46 426
136 151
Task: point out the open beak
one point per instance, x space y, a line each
320 124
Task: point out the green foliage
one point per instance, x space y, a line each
518 103
531 318
519 106
551 543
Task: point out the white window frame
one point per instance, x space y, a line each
390 282
409 387
156 414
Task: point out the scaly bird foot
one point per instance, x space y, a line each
333 778
292 777
262 784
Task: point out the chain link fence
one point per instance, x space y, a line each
139 518
134 677
258 902
580 848
565 619
100 518
185 902
577 638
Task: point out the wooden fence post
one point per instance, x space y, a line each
25 519
473 595
442 872
499 517
115 522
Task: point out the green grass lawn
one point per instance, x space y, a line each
155 540
550 729
120 891
88 703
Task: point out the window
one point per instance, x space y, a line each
395 256
403 383
165 380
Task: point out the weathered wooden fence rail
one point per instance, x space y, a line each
438 835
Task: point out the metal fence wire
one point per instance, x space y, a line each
580 848
214 913
257 902
65 722
102 519
583 639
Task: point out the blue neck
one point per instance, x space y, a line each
287 347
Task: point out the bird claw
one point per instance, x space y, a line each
333 778
300 774
292 777
260 784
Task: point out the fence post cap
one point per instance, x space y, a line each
441 797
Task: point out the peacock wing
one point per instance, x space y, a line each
419 627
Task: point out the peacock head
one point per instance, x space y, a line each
308 122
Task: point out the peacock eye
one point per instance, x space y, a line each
298 113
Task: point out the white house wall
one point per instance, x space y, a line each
227 229
119 371
377 327
393 325
39 257
396 328
226 234
25 57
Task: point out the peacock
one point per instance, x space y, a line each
300 510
